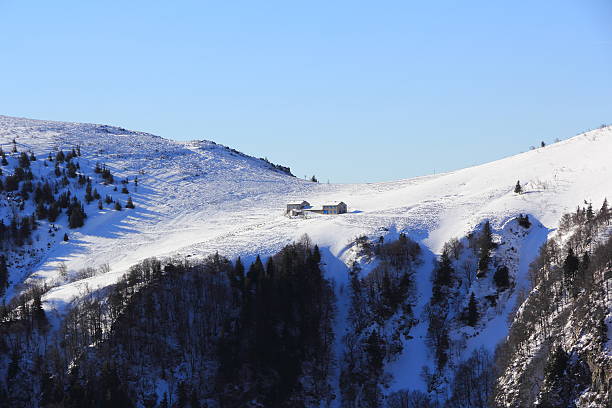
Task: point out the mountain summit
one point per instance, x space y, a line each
458 245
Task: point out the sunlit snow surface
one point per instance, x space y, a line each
197 198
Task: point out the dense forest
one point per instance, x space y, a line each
380 315
555 353
178 332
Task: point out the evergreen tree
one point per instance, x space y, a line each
88 194
129 203
4 274
555 366
41 211
256 271
53 211
524 222
586 261
13 367
316 255
59 157
24 161
502 278
117 206
39 317
236 276
72 170
570 267
444 275
485 244
472 314
164 402
65 236
590 215
193 400
76 218
518 189
181 395
604 212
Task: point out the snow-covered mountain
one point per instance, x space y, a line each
198 198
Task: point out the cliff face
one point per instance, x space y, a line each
558 350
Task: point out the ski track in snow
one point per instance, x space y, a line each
197 198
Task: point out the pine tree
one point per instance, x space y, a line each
316 255
570 267
501 278
4 275
443 278
472 314
164 401
65 236
523 221
117 206
590 215
72 170
236 276
518 189
256 272
193 400
485 246
59 157
24 161
181 395
76 218
13 367
604 212
129 203
555 366
38 313
88 195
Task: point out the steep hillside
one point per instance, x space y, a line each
558 350
194 199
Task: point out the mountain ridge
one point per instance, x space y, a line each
197 198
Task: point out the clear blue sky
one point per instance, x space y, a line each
348 90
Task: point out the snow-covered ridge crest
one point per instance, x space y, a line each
196 198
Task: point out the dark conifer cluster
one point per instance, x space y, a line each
240 337
567 275
380 316
51 194
523 221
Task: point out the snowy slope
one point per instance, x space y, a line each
196 198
